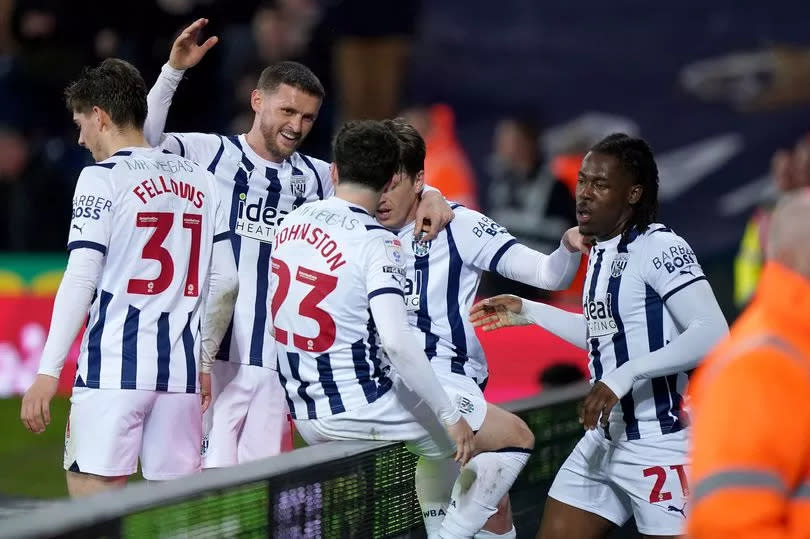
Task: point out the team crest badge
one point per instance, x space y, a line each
421 248
298 185
618 265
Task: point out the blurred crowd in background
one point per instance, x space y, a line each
497 141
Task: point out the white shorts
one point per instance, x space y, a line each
616 480
248 417
108 429
467 395
399 415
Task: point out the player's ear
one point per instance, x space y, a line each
256 99
333 174
100 118
419 182
635 194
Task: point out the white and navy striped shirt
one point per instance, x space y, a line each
443 278
629 280
331 257
155 217
257 195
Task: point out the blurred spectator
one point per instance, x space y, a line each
789 171
447 167
750 477
372 48
524 196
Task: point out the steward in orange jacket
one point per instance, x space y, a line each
751 402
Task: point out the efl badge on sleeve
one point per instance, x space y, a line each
393 248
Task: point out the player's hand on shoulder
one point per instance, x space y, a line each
598 403
498 312
463 435
574 241
433 214
35 411
186 52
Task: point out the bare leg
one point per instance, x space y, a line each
84 484
562 521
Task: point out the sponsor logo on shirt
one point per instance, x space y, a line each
257 221
413 291
675 258
599 317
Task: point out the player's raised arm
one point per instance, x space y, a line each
185 53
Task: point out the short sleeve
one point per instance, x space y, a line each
669 263
480 241
202 148
93 210
385 265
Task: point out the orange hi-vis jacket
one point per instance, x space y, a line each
751 420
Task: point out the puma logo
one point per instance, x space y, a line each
687 271
77 227
676 510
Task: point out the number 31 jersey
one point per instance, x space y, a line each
155 217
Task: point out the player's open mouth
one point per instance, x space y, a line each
583 216
383 213
290 138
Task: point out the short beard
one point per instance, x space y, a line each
277 153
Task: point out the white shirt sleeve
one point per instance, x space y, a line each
693 308
669 264
158 101
93 209
567 326
70 307
223 286
385 265
401 344
385 277
550 272
481 242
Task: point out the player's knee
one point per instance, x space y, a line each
522 436
501 521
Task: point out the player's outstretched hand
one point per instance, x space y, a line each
186 52
462 434
35 411
205 390
432 215
574 240
598 402
498 312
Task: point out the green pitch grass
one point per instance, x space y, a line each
31 464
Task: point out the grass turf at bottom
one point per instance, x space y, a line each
31 464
